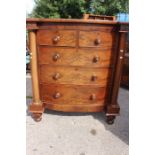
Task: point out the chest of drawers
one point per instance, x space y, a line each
75 65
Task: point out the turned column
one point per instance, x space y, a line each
34 68
36 107
113 108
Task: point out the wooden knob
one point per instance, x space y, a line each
97 41
56 56
57 95
95 59
56 39
56 76
93 97
94 77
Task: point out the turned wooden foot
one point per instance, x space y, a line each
37 117
36 111
110 119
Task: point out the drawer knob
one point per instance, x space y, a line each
56 39
94 78
56 76
93 97
95 59
56 57
97 41
57 95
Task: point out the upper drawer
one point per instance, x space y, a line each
96 39
69 56
57 37
75 75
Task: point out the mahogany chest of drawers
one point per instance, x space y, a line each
76 65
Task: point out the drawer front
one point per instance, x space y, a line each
73 94
69 56
96 39
57 37
74 75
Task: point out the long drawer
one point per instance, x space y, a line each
67 94
72 57
74 75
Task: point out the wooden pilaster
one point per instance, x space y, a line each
113 108
36 107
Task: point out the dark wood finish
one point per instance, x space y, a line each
125 68
110 119
113 108
125 72
76 65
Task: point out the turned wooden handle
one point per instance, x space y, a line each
56 76
57 95
97 41
95 59
93 97
94 78
56 56
56 39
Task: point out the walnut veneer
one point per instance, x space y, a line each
76 65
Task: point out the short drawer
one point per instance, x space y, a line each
67 94
74 75
96 39
57 37
69 56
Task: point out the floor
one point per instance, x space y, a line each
78 133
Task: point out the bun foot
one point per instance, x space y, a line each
110 120
37 117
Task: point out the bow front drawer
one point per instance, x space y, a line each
69 56
57 37
75 75
67 94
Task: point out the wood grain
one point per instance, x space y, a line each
71 57
75 26
74 75
77 64
34 68
66 37
98 107
87 39
91 21
73 94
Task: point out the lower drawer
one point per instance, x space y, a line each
72 94
75 75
